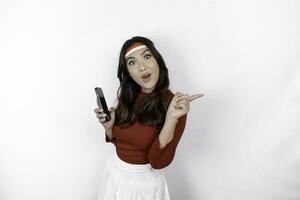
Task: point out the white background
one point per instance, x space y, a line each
241 139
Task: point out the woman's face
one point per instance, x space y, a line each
139 63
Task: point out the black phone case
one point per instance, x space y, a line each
102 103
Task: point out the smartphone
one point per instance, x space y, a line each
102 103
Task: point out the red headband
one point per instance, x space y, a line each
133 46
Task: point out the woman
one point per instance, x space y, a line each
145 127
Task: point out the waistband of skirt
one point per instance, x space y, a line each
142 168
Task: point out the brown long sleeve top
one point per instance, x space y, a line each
139 144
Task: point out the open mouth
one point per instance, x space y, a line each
146 77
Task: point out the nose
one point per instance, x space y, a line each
143 66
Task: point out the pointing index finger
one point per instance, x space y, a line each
195 96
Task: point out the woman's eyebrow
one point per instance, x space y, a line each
129 58
145 51
141 54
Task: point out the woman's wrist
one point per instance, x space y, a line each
108 132
171 120
108 129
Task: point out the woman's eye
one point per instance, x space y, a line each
130 62
147 56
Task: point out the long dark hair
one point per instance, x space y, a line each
152 109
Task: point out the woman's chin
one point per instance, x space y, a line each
148 85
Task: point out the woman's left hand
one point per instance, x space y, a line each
180 105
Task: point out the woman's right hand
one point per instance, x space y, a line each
101 117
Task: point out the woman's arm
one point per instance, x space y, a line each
167 132
161 157
109 136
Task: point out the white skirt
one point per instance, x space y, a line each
125 181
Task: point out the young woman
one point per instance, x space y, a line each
145 126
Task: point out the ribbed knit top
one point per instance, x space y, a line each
139 144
